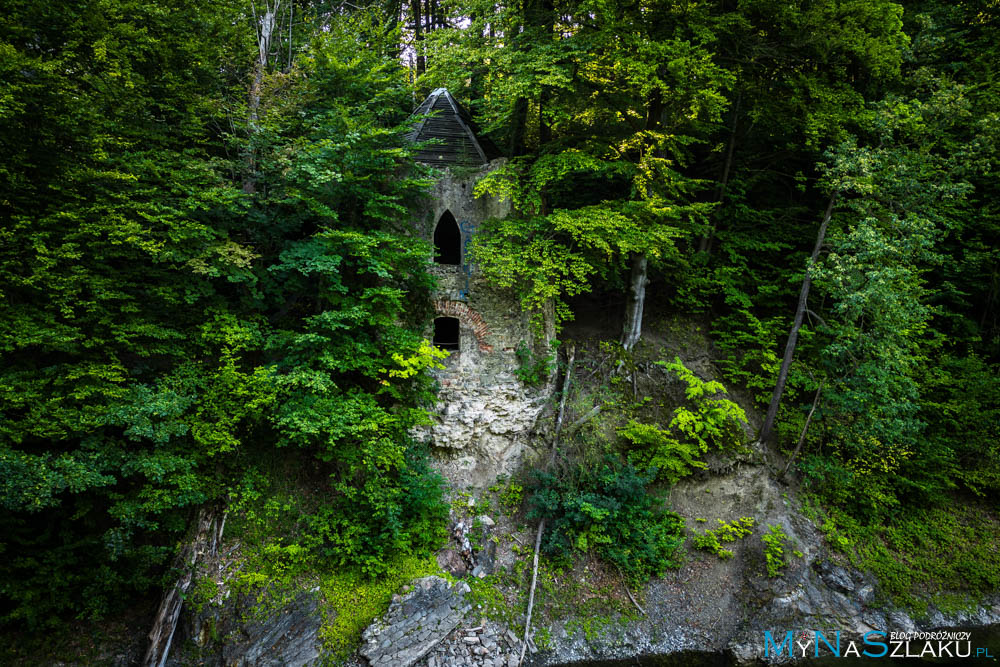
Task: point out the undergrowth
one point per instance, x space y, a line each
712 540
774 549
279 561
353 601
942 555
608 513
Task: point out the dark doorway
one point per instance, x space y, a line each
447 240
446 334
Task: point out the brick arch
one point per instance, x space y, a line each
468 317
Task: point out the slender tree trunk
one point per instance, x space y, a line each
632 327
553 450
639 278
438 21
705 244
802 435
265 25
793 335
519 121
418 36
531 591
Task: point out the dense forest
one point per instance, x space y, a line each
208 275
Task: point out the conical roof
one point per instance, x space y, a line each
455 131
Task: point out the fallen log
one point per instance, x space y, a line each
203 546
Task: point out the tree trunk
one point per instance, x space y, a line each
793 335
802 435
204 544
518 123
265 26
632 327
418 36
553 450
705 244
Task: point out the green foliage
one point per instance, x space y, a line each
354 600
282 536
774 549
187 289
749 345
714 422
511 497
708 422
543 638
609 513
712 540
203 262
918 557
534 368
960 400
489 600
548 259
655 449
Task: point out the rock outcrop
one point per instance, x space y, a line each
722 607
415 623
222 636
482 427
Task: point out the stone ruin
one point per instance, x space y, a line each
484 414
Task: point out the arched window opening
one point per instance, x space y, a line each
446 335
447 240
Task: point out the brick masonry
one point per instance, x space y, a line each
468 317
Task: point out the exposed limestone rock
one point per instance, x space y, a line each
486 425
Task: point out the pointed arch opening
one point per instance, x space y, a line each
447 240
446 333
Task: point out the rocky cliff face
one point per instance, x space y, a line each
723 607
482 428
711 611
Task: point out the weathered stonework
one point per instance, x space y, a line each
484 414
467 317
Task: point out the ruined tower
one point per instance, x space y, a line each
484 412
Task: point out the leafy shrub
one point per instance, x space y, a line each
655 449
774 549
533 368
401 515
705 422
711 540
511 497
608 512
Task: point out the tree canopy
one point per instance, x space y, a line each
206 264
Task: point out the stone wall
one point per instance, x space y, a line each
484 414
